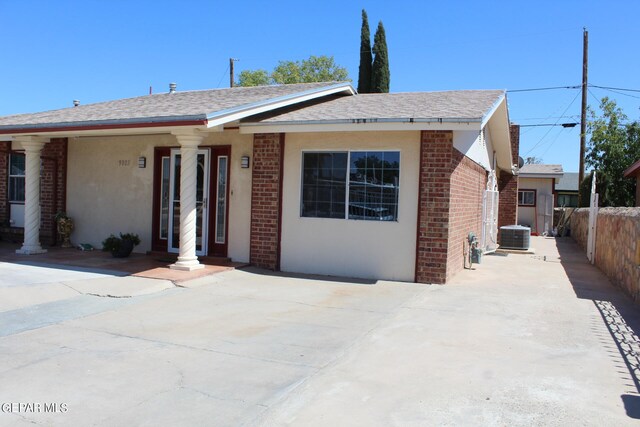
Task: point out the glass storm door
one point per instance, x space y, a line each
219 195
202 194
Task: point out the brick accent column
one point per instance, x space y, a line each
5 150
508 185
53 184
433 206
266 200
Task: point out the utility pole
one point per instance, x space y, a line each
231 76
583 114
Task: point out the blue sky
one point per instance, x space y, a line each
57 51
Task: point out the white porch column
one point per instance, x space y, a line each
189 141
32 147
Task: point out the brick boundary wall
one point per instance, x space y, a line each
468 182
617 245
266 200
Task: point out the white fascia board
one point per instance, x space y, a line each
541 175
498 123
357 127
225 116
493 109
116 132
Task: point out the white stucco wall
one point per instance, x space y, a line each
107 192
528 214
472 145
352 248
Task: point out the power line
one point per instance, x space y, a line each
223 74
615 88
621 93
542 88
564 125
553 141
547 133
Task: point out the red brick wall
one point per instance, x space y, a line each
52 187
5 150
468 182
449 206
436 150
266 200
508 185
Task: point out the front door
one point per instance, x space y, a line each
202 193
212 191
219 201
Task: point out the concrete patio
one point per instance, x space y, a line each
539 339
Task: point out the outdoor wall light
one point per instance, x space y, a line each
142 162
244 162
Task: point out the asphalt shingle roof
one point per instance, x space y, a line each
568 182
187 105
541 170
458 105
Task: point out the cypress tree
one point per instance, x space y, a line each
380 75
364 72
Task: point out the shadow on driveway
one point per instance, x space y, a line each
619 313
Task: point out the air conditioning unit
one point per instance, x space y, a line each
515 237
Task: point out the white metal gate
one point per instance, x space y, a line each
490 199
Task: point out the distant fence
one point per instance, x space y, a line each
617 251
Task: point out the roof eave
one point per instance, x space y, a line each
221 117
369 124
150 122
540 175
497 119
632 170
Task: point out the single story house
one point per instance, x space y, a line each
310 178
536 189
633 171
566 190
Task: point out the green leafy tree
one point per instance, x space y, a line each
380 75
287 72
253 78
314 69
366 58
613 146
322 69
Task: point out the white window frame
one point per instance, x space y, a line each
23 176
535 197
348 180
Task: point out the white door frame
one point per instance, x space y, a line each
201 238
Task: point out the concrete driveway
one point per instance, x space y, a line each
538 339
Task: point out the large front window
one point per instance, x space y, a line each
351 184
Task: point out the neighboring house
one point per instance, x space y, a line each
566 190
310 178
633 171
536 187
